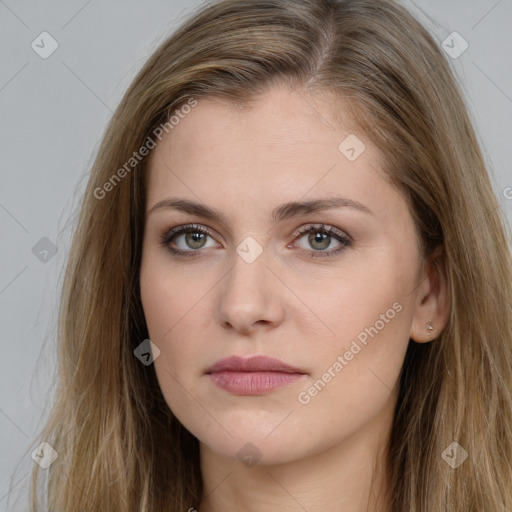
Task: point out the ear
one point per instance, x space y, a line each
433 300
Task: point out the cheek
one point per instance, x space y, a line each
164 311
369 347
370 311
170 297
174 303
364 304
355 378
170 320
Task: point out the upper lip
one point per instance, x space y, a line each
252 364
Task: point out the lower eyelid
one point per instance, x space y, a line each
344 244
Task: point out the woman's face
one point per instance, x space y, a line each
336 304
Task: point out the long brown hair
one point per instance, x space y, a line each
120 447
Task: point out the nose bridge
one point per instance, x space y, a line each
248 295
248 274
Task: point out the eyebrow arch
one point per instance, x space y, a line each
280 213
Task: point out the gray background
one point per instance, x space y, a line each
53 114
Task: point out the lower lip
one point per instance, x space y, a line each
253 383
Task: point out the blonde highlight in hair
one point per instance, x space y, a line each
120 447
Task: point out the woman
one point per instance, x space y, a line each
290 285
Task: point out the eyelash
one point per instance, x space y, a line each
168 236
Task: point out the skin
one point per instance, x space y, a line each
303 310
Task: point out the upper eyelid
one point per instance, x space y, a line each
320 226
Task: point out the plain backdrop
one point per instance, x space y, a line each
53 113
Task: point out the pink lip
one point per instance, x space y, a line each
256 375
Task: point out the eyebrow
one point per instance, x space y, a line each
280 213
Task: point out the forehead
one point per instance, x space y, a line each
281 116
285 145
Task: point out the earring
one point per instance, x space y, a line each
430 328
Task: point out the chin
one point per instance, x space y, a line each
256 438
252 450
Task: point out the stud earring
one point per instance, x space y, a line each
430 328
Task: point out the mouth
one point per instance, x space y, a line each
253 376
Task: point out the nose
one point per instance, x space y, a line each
250 296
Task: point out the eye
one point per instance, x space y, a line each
193 237
320 238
